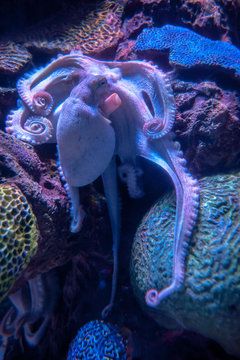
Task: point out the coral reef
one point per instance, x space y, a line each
207 126
207 103
13 57
18 236
203 15
97 340
218 19
211 16
91 27
188 49
208 302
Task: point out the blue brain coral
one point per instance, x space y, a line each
97 340
187 48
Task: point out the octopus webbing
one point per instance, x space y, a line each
97 111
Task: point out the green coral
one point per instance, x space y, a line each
18 236
209 300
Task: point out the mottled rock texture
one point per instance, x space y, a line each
208 302
218 19
36 175
207 126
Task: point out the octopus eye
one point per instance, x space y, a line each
42 103
102 82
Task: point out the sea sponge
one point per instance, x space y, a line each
18 236
97 340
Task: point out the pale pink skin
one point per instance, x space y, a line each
139 107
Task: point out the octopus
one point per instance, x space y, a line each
31 310
99 112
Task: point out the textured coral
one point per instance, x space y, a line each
18 236
136 24
218 19
207 125
209 301
97 340
100 30
203 14
13 57
88 26
188 49
131 28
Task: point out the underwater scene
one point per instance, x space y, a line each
119 180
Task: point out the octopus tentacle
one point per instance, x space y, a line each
33 129
38 304
77 212
11 319
163 85
128 173
167 154
111 192
25 84
153 128
42 103
29 307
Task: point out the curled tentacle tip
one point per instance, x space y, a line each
152 298
42 103
38 129
153 128
77 221
106 311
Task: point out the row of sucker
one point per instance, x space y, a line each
183 234
35 130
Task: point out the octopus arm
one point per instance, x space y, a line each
77 212
111 192
12 317
29 307
167 154
38 302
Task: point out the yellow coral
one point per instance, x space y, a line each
18 236
101 29
13 57
91 27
